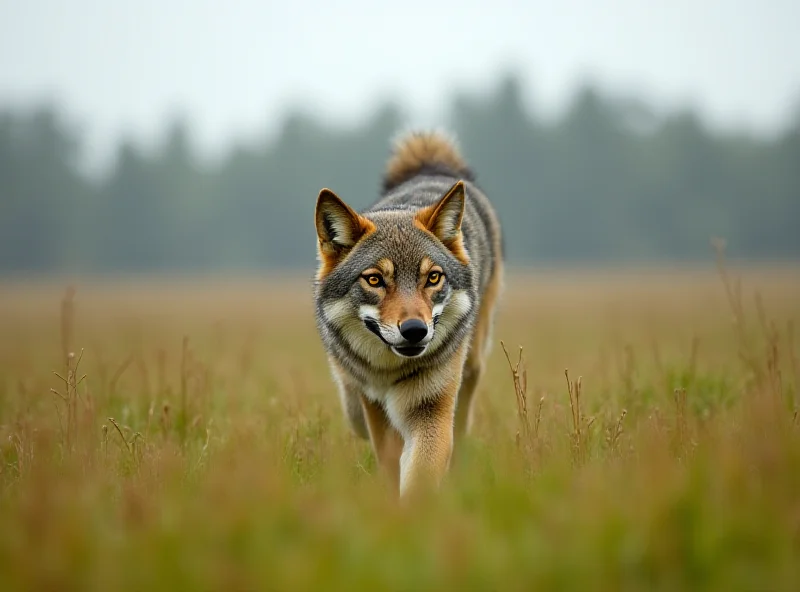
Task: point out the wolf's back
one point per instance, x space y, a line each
424 152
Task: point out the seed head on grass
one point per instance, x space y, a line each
614 433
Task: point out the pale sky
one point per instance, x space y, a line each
234 67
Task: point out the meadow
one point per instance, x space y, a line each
185 434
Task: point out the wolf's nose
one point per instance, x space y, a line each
413 330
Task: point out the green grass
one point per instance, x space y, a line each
205 449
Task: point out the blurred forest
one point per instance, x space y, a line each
609 181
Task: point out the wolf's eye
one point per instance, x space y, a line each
374 280
434 278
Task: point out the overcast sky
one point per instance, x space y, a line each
123 66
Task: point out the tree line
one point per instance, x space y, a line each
608 181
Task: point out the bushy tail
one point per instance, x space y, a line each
424 152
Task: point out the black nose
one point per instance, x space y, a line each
413 330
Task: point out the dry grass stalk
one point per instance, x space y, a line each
773 376
580 425
613 435
520 379
733 293
130 444
538 418
105 441
71 381
765 369
24 454
204 451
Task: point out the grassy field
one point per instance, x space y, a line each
205 449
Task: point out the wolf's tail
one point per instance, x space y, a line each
424 152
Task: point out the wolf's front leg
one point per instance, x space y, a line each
387 443
428 434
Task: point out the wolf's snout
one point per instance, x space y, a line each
413 330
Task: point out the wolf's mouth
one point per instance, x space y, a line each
405 351
409 351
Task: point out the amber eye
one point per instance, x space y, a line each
434 278
374 280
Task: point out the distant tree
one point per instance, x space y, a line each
608 181
40 191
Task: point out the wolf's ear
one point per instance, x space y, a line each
339 227
443 219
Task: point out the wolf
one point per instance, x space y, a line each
405 299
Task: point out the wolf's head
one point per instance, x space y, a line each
393 283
